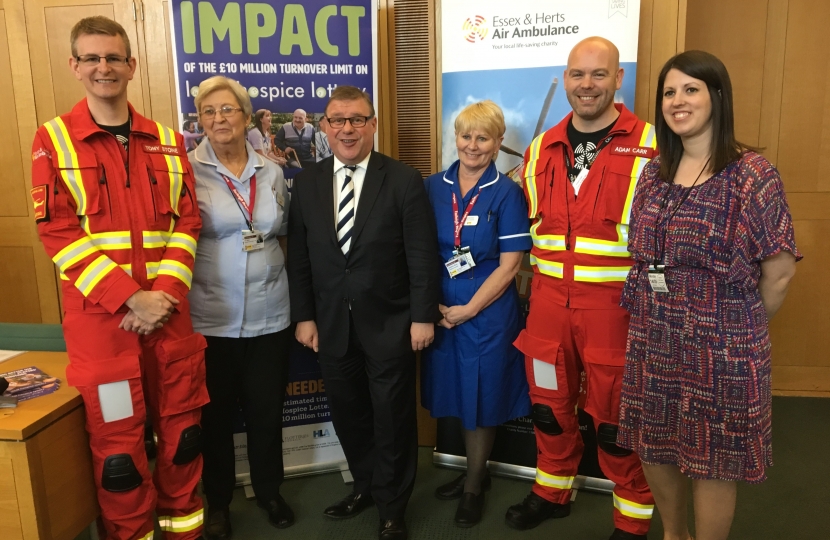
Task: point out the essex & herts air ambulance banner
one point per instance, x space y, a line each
515 54
288 54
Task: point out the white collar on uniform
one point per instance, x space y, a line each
205 154
339 164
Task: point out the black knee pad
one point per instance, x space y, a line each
545 421
189 445
120 473
607 440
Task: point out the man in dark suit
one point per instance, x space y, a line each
364 279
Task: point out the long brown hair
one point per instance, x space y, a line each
724 147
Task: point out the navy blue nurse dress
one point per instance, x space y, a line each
472 371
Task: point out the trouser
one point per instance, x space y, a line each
122 378
252 373
559 343
372 403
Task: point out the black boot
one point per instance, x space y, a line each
533 511
218 525
620 534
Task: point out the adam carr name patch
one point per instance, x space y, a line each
638 151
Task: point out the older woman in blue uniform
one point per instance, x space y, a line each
472 371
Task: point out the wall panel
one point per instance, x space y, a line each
28 291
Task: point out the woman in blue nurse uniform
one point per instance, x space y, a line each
472 371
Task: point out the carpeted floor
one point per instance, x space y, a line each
794 504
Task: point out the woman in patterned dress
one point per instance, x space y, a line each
714 252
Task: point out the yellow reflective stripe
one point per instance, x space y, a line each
73 253
183 241
530 175
549 268
169 267
601 273
174 165
183 523
68 163
632 509
549 480
647 140
148 536
550 242
94 273
155 239
609 248
152 270
112 240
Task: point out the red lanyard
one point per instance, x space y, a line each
459 223
247 210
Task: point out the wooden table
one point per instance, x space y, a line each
46 483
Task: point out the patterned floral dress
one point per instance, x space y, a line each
696 389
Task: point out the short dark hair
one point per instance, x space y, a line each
98 26
350 93
724 147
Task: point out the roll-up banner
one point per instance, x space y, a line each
288 55
515 54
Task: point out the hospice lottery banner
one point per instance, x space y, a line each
288 54
515 54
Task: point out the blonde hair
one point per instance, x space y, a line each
214 84
484 115
97 26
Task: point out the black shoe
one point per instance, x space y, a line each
620 534
454 489
533 511
218 526
469 509
351 505
392 529
280 514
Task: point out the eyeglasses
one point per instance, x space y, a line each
112 60
227 111
355 121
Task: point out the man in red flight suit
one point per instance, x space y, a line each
114 201
579 179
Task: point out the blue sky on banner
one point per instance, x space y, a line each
288 54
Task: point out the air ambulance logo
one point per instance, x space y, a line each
39 194
475 29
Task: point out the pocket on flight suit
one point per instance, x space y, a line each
604 372
182 375
166 187
544 365
112 393
80 179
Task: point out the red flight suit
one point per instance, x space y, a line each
115 224
580 260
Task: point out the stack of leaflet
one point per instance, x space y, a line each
29 383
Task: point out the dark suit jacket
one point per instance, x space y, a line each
392 275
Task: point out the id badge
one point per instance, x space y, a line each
577 183
252 240
657 278
461 261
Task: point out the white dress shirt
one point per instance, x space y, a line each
357 178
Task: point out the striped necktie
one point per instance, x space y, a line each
345 211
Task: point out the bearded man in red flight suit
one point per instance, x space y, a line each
579 177
114 201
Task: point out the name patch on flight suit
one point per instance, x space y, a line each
162 149
39 199
637 151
